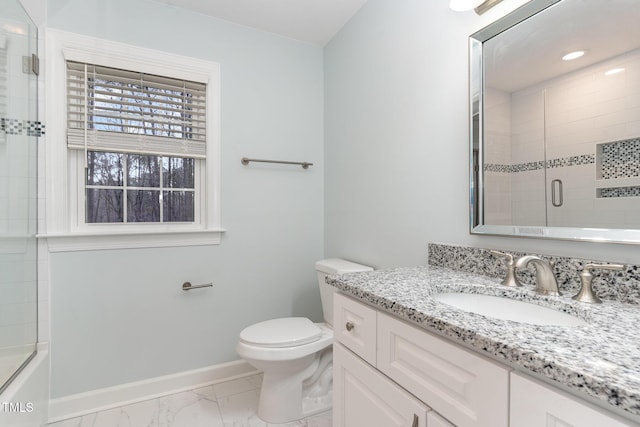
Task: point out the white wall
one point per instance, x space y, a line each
396 138
120 316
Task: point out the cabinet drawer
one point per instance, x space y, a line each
534 404
354 325
365 397
463 387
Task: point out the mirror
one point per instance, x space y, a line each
555 144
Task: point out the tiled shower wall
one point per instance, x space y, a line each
18 192
591 125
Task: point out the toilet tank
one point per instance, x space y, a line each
330 266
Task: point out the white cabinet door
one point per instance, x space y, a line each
536 405
354 325
364 397
468 390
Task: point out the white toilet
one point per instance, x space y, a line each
295 355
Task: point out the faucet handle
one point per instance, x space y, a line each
510 279
586 293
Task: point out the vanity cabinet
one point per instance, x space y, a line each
368 398
535 404
464 387
388 373
409 374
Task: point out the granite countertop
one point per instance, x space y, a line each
601 359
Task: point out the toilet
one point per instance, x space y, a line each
296 355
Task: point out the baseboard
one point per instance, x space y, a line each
107 398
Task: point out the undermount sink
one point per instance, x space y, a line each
508 309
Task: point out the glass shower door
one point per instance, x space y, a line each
19 132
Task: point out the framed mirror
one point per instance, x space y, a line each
555 122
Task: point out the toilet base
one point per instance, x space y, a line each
284 399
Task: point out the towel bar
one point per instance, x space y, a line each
305 165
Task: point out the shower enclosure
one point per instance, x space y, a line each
19 132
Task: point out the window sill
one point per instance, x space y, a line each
72 242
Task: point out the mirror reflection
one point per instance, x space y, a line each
556 102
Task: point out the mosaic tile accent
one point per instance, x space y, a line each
21 127
619 192
618 286
620 159
524 167
494 167
584 159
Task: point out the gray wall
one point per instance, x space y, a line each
396 138
120 315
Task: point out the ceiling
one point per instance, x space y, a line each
312 21
531 52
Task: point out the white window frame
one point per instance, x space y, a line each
65 226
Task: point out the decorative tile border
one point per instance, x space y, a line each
609 285
21 127
619 192
584 159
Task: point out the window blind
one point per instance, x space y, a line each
109 109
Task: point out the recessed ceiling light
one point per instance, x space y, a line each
614 71
573 55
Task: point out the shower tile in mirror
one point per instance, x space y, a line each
619 192
620 159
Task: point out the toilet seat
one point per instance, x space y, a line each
281 333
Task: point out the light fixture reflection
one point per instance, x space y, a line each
573 55
462 5
614 71
14 29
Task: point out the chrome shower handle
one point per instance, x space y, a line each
557 195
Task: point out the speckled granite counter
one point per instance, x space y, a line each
601 359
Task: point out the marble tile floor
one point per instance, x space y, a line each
228 404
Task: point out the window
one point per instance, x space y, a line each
142 136
140 141
134 188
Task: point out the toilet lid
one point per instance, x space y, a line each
284 332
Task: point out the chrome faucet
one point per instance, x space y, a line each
509 261
546 283
586 293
